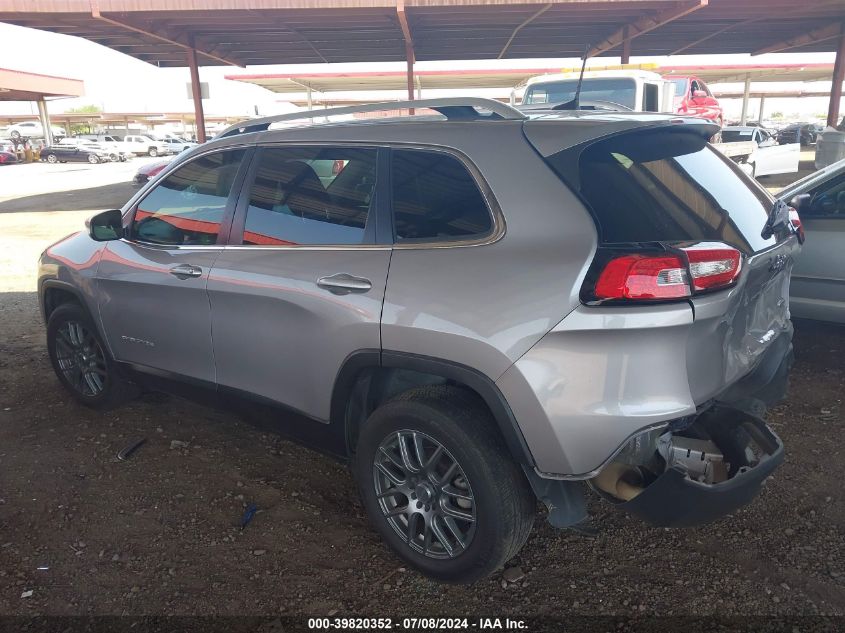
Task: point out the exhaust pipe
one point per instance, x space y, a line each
620 480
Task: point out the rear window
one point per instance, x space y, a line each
620 90
667 186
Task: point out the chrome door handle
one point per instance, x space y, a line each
184 271
343 283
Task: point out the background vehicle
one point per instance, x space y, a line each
110 149
33 129
177 145
757 152
7 157
140 145
805 133
112 142
147 171
75 153
817 290
469 352
693 97
637 90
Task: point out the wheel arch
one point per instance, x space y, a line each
369 378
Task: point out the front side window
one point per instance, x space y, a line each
310 195
187 208
828 201
436 198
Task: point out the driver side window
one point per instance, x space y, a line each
828 201
187 207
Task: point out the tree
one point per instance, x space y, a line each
82 128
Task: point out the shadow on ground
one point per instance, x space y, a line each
111 196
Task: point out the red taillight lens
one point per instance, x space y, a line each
713 265
643 276
795 219
667 275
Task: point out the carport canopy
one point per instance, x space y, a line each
249 32
16 85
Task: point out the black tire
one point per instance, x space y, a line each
153 152
93 159
52 158
115 390
503 505
15 135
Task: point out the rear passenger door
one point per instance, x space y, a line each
301 284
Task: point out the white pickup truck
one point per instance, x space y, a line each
757 151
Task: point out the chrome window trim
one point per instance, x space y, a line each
497 217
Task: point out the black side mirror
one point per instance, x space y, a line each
800 202
105 226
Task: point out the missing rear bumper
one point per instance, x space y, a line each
695 474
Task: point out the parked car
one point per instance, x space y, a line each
33 129
112 142
114 154
693 97
178 145
148 171
75 153
761 136
140 145
757 152
621 90
818 279
8 158
602 299
805 133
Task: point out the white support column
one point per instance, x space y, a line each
762 107
310 100
745 94
45 122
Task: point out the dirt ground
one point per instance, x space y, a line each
159 534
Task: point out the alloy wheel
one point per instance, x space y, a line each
424 494
81 359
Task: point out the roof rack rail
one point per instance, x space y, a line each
453 108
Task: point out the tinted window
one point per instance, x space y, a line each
187 208
828 201
669 186
435 197
311 195
622 91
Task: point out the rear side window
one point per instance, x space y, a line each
310 195
435 198
187 208
668 186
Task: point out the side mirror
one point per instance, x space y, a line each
105 226
801 201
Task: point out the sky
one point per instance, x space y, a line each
118 83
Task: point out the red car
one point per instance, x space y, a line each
693 97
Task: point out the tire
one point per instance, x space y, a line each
93 159
114 157
15 135
72 342
486 486
153 152
52 159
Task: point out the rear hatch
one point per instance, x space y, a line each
662 189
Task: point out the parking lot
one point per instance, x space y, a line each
159 533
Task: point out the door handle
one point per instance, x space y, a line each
184 271
343 283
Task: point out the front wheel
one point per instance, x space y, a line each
440 486
93 159
153 152
81 362
52 158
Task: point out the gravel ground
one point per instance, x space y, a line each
158 534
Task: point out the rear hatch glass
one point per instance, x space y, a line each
666 186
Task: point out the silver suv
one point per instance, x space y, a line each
478 308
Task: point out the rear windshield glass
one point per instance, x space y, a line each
731 136
667 186
622 91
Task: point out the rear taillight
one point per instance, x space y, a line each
674 273
795 219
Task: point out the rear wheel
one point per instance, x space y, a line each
93 159
440 486
52 158
81 361
153 152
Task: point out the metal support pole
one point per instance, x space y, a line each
745 94
196 92
409 56
762 107
310 101
838 77
626 45
45 122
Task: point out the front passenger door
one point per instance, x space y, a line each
153 300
